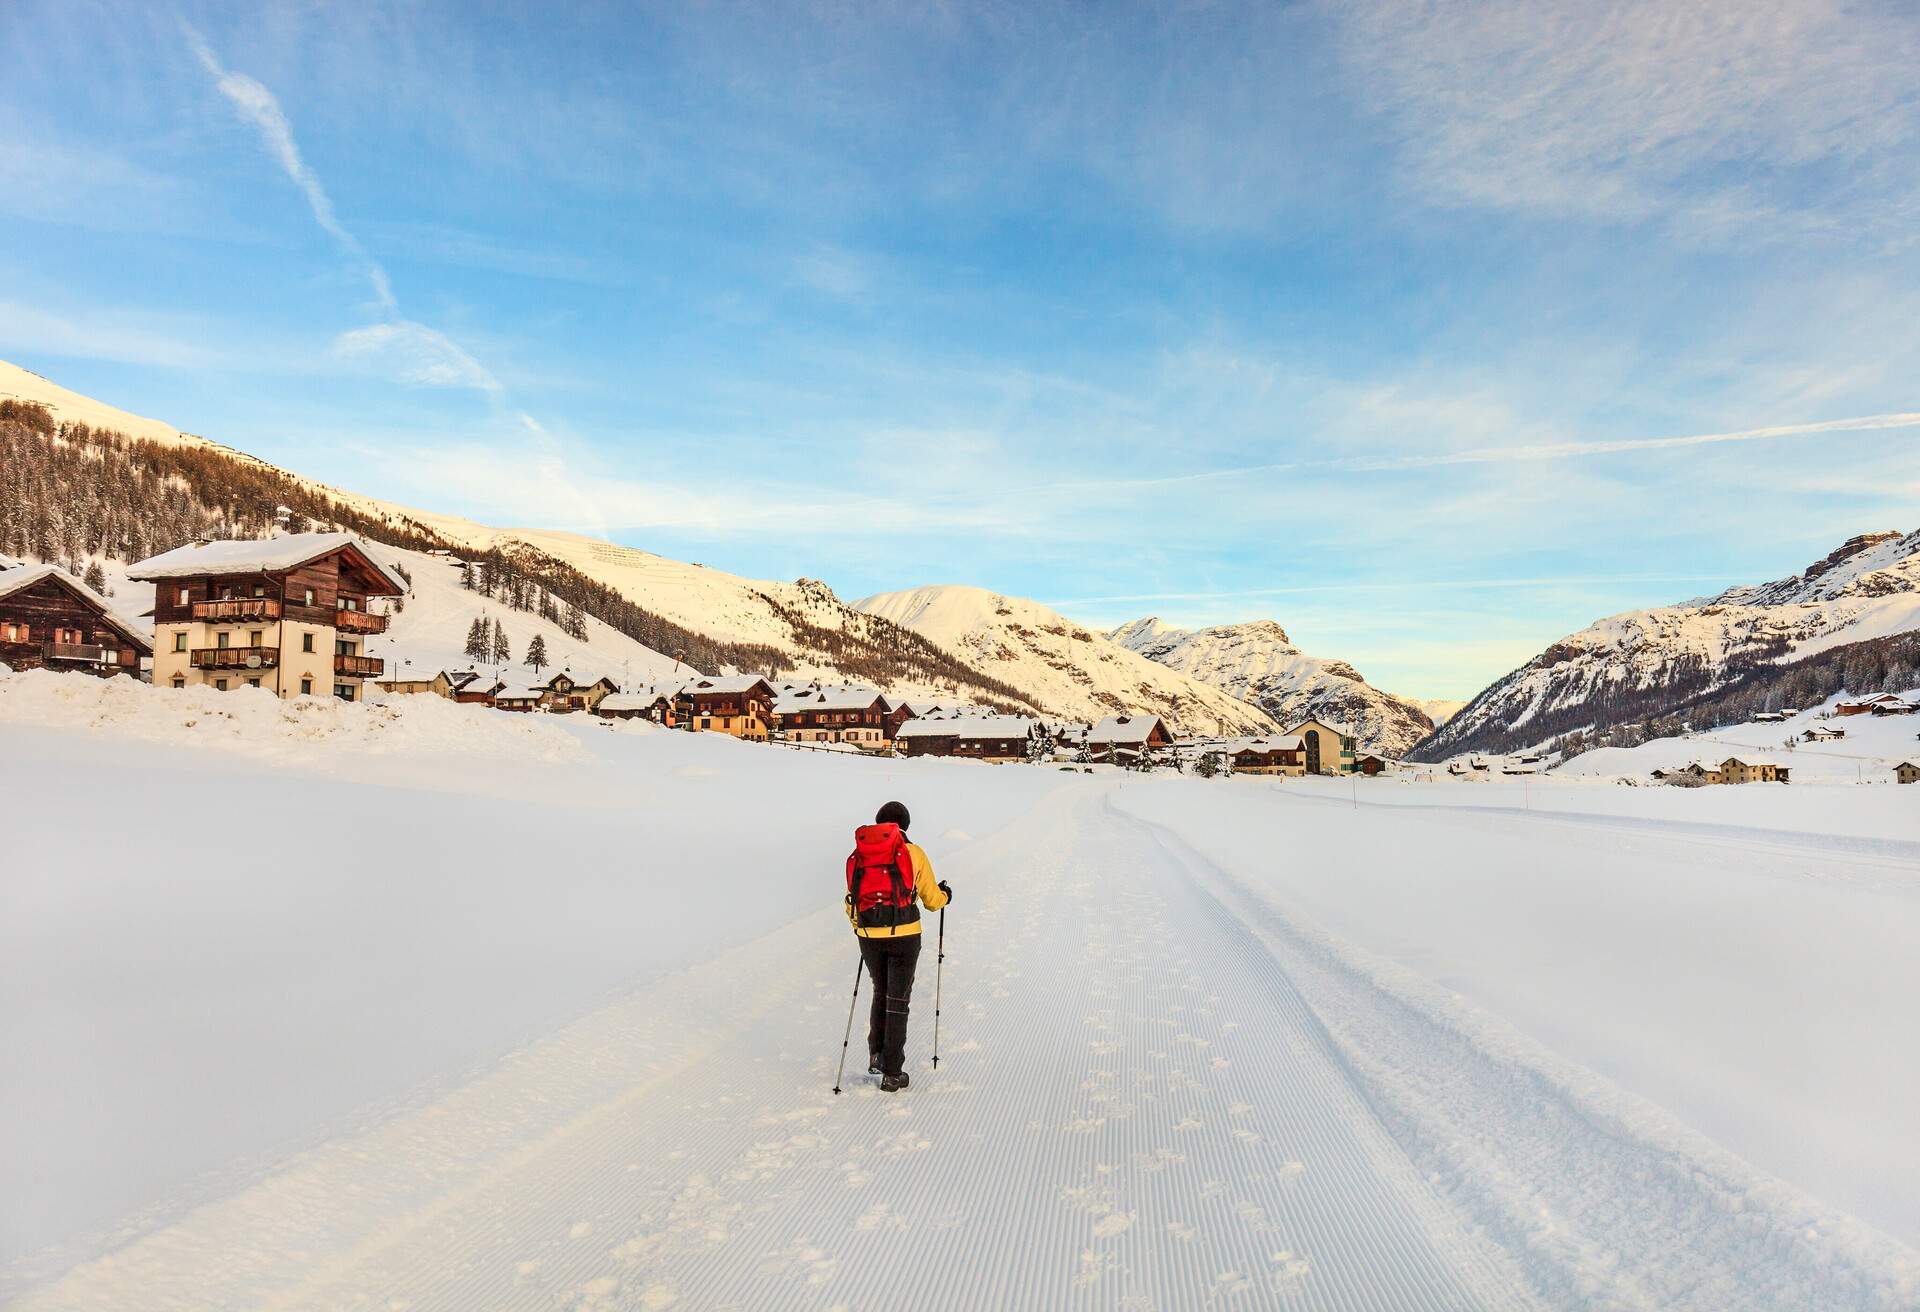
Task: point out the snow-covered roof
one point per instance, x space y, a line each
826 699
580 679
627 701
968 726
256 555
1279 742
519 692
8 562
1124 729
1754 761
1345 731
20 577
726 683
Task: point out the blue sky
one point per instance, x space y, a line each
1397 324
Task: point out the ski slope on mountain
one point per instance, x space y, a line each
1070 670
1262 1047
1258 663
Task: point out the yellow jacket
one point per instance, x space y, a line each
924 888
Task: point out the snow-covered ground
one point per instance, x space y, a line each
1873 745
428 1006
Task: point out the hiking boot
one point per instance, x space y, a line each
873 1064
893 1083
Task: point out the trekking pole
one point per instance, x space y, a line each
938 962
848 1038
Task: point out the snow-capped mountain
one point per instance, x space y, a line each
1647 663
1069 669
801 626
1258 663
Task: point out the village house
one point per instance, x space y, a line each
519 696
1126 739
739 704
51 620
440 685
567 691
1751 770
1873 705
993 738
657 707
1906 773
1281 754
470 687
1692 772
1368 763
1329 747
289 614
898 712
856 716
1822 734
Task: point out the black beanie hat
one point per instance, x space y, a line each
893 813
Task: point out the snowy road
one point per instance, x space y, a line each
1159 1088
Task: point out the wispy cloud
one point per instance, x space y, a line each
1518 453
1721 115
259 107
1388 586
414 352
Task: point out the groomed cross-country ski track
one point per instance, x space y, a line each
1159 1088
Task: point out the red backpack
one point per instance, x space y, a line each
880 875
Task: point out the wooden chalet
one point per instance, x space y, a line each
1282 755
1881 703
440 685
898 712
857 716
649 704
1370 763
567 691
51 620
994 738
738 704
470 687
523 697
289 614
1126 739
1906 773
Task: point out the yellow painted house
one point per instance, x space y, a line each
1328 748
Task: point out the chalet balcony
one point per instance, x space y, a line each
359 667
359 621
86 653
235 658
237 610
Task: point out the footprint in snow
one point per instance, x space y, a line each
1180 1230
580 1230
1289 1269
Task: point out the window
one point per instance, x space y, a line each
306 687
221 684
186 596
253 638
344 691
13 633
705 723
259 589
306 642
222 639
309 598
179 642
179 682
253 683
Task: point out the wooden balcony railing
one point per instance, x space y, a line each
359 621
235 658
358 667
80 651
237 610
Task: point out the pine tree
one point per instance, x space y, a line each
576 625
466 575
502 651
479 645
95 577
537 652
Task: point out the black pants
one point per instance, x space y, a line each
890 962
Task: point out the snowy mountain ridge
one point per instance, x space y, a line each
1257 662
1070 669
1645 663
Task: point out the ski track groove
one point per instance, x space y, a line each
1609 1204
1136 1108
